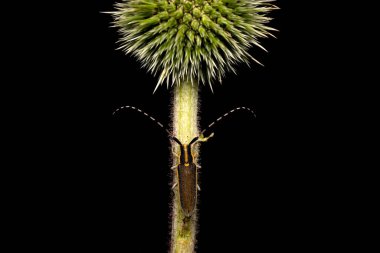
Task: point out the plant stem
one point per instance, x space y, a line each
185 128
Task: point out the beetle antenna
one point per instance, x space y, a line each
226 114
146 114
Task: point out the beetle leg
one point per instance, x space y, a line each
198 166
204 139
199 188
174 185
174 153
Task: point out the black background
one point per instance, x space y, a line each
103 182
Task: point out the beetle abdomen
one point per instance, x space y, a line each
187 182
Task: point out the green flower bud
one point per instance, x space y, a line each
195 25
163 15
178 13
171 7
188 6
202 32
203 37
187 18
198 41
162 5
172 22
206 21
182 29
197 13
190 36
207 9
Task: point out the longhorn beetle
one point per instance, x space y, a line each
187 169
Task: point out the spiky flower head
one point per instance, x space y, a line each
191 40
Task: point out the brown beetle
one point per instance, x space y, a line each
187 175
187 169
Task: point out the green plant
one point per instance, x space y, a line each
189 43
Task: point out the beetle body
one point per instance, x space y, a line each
187 183
187 177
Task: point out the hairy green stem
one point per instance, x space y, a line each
185 127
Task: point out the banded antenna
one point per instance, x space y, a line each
145 114
170 134
226 114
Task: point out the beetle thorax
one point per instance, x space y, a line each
186 157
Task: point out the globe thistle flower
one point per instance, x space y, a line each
194 41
